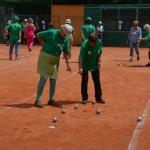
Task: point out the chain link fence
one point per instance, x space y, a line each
37 21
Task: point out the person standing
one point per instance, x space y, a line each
89 60
14 29
87 28
100 30
29 33
69 32
23 24
54 42
147 38
134 40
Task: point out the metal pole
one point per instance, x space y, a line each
51 3
118 14
137 13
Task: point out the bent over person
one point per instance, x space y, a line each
54 42
89 58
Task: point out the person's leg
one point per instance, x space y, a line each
52 89
52 93
137 49
84 84
97 86
40 88
11 50
30 43
17 49
148 64
149 55
131 51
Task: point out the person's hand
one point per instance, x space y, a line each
80 71
141 39
99 64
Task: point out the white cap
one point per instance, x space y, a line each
146 26
9 22
68 21
100 22
25 20
43 22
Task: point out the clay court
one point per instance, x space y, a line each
125 89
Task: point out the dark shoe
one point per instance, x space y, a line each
30 49
147 65
53 103
10 58
138 58
38 104
84 102
100 101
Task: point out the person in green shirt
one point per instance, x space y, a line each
147 38
14 30
89 59
87 28
53 42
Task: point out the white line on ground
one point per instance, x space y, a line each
136 134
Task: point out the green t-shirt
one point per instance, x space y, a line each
148 36
54 44
87 30
14 30
90 55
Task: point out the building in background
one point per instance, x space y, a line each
116 15
37 9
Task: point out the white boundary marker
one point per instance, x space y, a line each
136 134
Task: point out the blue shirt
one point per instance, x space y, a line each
135 34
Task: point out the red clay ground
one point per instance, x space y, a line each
24 127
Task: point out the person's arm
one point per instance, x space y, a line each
80 62
94 29
40 39
82 33
67 62
129 36
34 28
99 54
140 34
66 52
19 41
83 37
73 32
146 38
5 33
